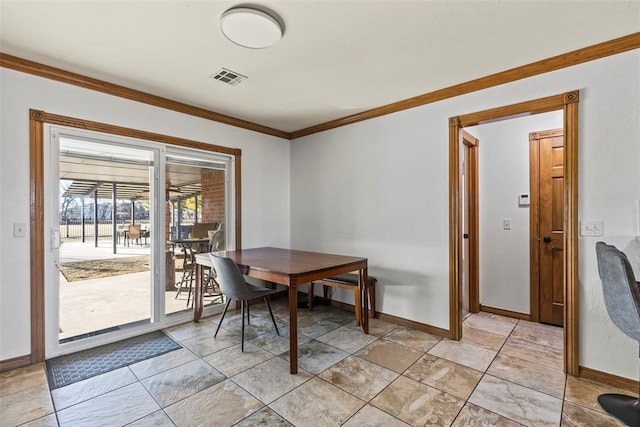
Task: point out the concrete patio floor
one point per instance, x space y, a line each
92 305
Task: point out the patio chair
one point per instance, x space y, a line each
134 233
188 273
234 286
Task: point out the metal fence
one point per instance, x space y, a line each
72 229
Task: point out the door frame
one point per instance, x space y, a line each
473 206
568 103
534 218
37 145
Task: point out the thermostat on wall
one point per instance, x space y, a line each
523 200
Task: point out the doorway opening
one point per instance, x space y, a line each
568 104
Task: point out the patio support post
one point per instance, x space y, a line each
196 218
95 217
179 217
82 218
133 211
114 216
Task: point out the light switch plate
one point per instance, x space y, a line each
592 228
506 224
19 229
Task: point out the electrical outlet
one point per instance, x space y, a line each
506 224
19 229
592 228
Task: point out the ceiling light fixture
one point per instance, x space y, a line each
252 28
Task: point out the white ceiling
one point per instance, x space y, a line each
336 58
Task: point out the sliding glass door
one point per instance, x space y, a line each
125 218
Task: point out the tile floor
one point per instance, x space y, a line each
504 372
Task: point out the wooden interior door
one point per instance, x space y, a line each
550 228
469 206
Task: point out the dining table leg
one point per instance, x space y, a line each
293 328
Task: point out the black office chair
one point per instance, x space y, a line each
233 286
622 299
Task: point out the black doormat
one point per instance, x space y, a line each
70 368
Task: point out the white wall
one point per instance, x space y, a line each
265 178
379 189
503 173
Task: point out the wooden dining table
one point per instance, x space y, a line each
290 268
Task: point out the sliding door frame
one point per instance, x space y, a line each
37 121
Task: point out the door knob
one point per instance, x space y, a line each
547 239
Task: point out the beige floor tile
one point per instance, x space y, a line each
47 421
472 356
204 345
182 381
188 330
417 340
474 416
578 416
493 323
444 375
377 327
347 339
482 338
154 366
25 405
370 416
516 402
231 361
118 407
222 405
265 417
80 391
315 356
157 419
538 333
418 404
390 355
20 379
359 377
317 403
533 375
271 379
278 344
585 393
547 356
316 326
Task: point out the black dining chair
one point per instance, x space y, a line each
233 286
622 299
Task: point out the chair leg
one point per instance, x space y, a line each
271 313
242 316
222 318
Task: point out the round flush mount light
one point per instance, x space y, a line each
251 28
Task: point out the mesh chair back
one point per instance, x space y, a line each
620 289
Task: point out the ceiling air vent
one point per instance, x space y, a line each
229 77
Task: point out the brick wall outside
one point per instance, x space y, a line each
213 196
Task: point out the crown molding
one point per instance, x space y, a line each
601 50
57 74
590 53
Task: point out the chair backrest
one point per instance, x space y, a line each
620 289
134 231
216 241
229 277
200 229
